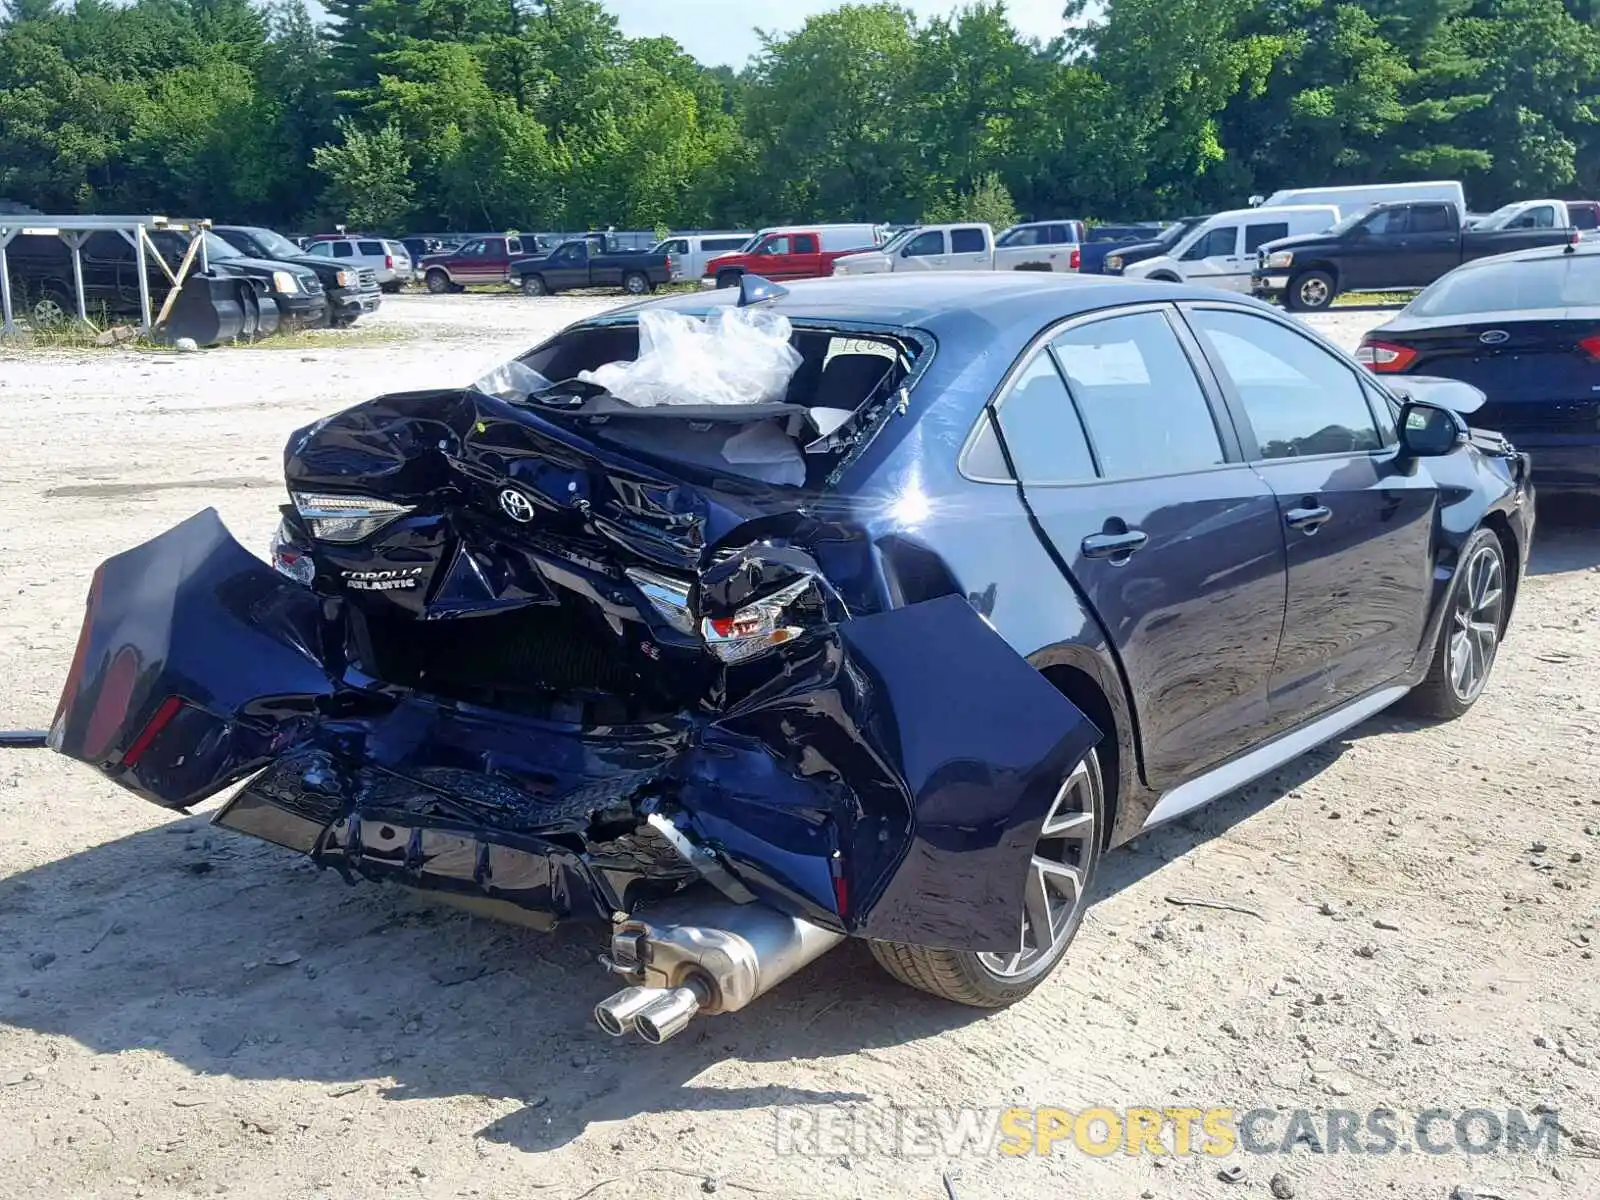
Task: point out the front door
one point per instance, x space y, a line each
1358 525
1215 260
925 252
1374 253
567 267
1173 540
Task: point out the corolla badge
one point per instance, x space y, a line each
517 506
1493 337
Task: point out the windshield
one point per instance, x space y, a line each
1498 218
1347 223
899 239
275 244
217 248
1567 281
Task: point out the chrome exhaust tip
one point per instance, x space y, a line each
617 1013
668 1015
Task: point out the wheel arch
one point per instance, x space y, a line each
1498 524
1079 675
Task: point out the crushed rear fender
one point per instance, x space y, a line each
889 781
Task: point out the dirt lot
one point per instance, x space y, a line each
185 1012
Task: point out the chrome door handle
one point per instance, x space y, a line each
1113 545
1308 520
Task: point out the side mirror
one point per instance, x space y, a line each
1428 431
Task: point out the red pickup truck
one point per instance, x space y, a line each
801 252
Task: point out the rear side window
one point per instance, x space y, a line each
925 244
805 243
1041 429
343 250
372 248
1142 406
1433 218
514 246
1582 216
1301 400
967 241
1256 236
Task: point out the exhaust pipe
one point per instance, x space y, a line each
699 952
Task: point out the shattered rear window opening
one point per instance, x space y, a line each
841 384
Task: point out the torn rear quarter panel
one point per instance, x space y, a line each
884 773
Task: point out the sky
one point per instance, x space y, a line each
723 31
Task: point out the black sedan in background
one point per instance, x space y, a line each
1524 329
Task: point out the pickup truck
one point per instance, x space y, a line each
1104 240
480 260
1396 247
801 252
1119 258
964 247
589 262
1040 246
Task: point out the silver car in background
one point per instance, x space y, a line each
387 259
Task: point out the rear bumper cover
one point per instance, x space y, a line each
892 787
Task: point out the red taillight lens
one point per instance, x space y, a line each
170 707
1384 358
1077 258
1591 346
388 262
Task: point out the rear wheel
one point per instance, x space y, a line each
391 287
438 282
1312 291
534 285
636 283
1054 899
53 307
1470 639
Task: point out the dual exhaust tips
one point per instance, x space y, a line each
699 952
654 1013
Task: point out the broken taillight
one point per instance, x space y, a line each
1384 358
170 707
346 519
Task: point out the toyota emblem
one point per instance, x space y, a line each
1494 337
517 506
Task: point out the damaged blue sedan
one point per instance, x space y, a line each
751 621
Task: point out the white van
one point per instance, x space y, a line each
1221 251
692 251
1358 199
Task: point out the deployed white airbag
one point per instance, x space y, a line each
733 356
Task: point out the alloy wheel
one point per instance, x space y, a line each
1475 622
1313 293
1056 875
636 285
47 310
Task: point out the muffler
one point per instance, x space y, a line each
699 952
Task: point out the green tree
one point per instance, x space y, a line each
369 181
987 201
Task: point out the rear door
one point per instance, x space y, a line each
495 265
1215 260
1134 475
969 249
374 255
805 257
1358 524
1433 241
928 251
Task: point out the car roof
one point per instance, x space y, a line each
1536 253
944 299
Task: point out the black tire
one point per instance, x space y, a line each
1468 619
390 288
337 322
1311 291
964 976
534 285
53 307
637 283
439 283
730 279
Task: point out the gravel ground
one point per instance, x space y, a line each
185 1012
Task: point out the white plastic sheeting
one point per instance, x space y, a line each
734 356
